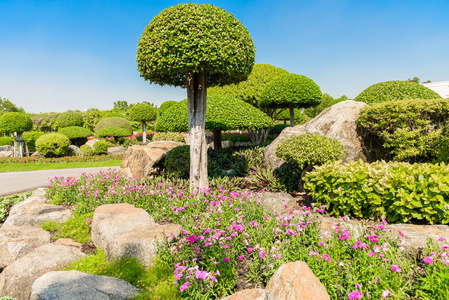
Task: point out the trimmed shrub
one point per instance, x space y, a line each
52 145
115 132
395 190
310 150
69 118
300 116
168 136
277 129
395 90
407 130
166 106
177 162
15 122
113 122
31 138
100 147
5 141
75 132
142 112
86 150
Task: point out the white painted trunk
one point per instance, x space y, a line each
144 127
196 96
20 144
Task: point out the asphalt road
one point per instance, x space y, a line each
19 182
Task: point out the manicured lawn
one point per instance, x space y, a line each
15 167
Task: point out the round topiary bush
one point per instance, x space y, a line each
115 132
77 135
5 141
86 150
113 122
177 162
395 90
15 122
142 112
168 136
165 106
69 118
100 147
53 145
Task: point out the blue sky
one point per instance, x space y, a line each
61 55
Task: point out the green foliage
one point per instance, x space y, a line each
277 129
408 130
328 101
113 122
5 141
395 90
113 132
165 106
86 150
10 201
15 122
335 101
75 228
7 106
68 119
223 113
300 116
75 132
177 162
100 147
310 149
121 105
396 190
236 137
197 38
114 114
142 112
168 136
287 89
31 137
52 145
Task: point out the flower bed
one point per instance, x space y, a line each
53 160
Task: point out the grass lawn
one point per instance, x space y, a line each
14 167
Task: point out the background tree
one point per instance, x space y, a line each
223 113
8 106
144 113
195 46
121 105
290 91
17 122
414 79
69 118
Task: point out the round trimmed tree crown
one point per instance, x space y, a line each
142 112
287 89
196 38
15 122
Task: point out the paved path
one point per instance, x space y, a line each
18 182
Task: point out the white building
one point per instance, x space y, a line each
442 88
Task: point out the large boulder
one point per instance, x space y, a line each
17 241
124 230
146 161
251 294
33 211
74 285
279 203
16 279
116 150
337 121
295 280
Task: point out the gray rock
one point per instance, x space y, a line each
75 285
6 154
5 148
146 161
279 203
16 279
337 121
224 145
17 241
116 150
242 144
92 142
37 154
74 151
250 294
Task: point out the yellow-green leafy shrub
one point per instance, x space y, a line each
53 145
168 136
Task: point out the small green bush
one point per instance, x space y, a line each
69 118
115 132
278 128
5 141
75 132
165 106
396 190
75 228
310 150
53 145
15 122
113 122
177 162
168 136
395 90
31 138
100 147
86 150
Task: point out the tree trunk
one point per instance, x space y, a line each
196 97
307 169
217 139
20 144
144 129
292 115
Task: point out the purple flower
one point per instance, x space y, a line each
355 295
225 259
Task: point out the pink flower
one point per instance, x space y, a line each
225 259
355 295
321 243
441 239
428 260
213 278
262 254
184 286
385 294
250 250
326 257
395 268
241 257
371 253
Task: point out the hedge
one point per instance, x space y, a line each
15 122
113 122
5 141
168 136
113 132
396 190
69 118
75 132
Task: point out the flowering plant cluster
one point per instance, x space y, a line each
55 160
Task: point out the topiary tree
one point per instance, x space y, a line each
309 150
69 118
53 145
142 112
114 122
77 135
300 116
290 91
17 122
395 90
100 147
166 106
115 132
223 113
195 46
